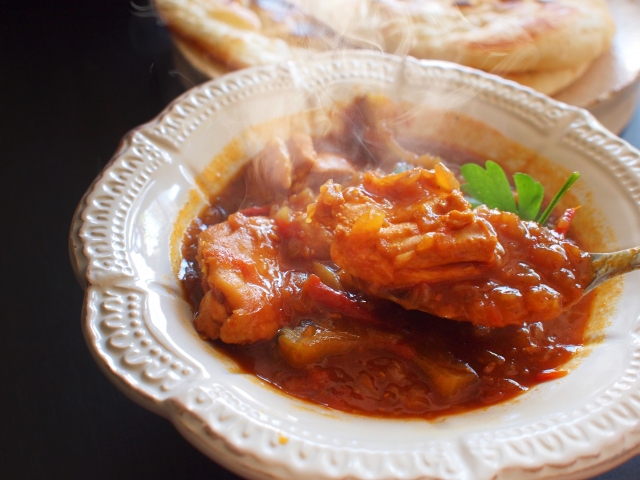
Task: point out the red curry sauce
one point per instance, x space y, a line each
334 344
390 378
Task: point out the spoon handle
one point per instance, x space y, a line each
607 265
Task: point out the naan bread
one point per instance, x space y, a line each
229 32
546 44
512 35
548 81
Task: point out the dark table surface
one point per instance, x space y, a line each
76 76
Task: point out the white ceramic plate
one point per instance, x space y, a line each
139 328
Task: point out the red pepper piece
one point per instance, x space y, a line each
564 222
314 290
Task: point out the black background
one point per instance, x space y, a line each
75 77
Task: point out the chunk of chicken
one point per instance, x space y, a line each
288 167
270 173
537 277
243 283
405 228
413 239
312 169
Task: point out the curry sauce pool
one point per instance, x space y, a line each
270 291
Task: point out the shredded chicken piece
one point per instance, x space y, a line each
242 280
282 168
405 228
412 238
311 168
270 173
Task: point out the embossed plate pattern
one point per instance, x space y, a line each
139 329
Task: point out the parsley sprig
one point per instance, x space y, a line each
490 186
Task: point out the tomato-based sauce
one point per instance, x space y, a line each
324 286
379 382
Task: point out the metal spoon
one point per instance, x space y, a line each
608 265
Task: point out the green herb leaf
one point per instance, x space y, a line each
554 201
489 185
530 195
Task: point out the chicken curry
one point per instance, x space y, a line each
351 272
